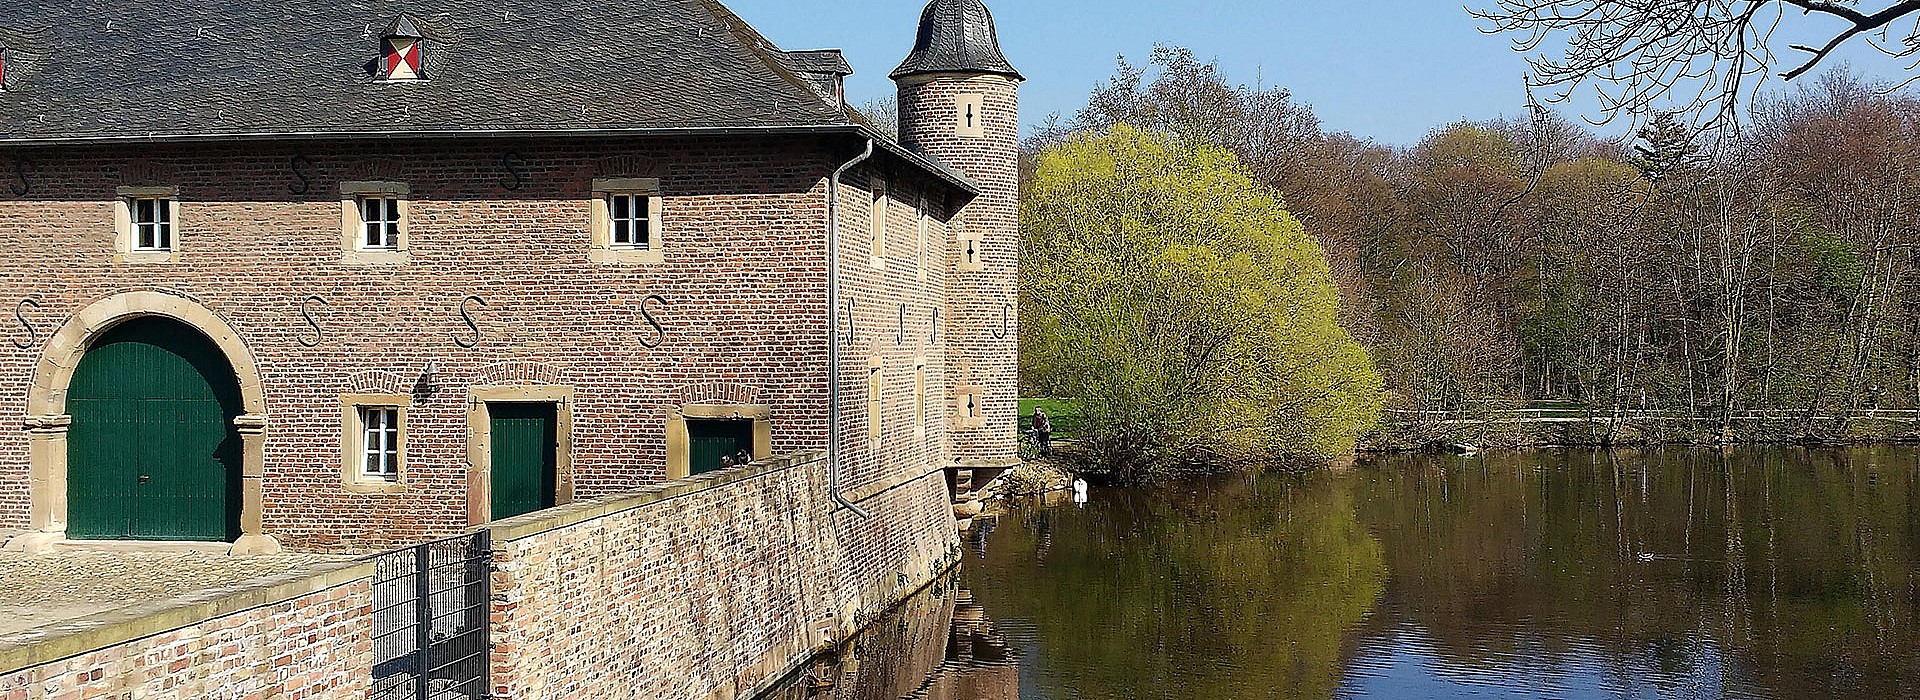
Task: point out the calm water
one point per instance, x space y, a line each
1664 574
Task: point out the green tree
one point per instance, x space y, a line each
1189 313
1666 147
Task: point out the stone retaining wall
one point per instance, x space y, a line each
705 589
710 588
310 638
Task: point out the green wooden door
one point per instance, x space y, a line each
153 453
525 453
710 440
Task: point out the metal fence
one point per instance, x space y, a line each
430 618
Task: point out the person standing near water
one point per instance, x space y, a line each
1042 431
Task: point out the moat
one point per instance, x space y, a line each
1752 573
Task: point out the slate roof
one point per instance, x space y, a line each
208 69
956 36
823 69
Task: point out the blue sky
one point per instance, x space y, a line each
1389 70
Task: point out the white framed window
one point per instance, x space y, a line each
152 224
626 225
380 442
630 221
146 224
373 223
373 448
380 223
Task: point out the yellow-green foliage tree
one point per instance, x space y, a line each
1186 310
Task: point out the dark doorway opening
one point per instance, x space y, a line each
718 443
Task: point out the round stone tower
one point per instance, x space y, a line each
960 104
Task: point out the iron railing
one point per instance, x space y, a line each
430 619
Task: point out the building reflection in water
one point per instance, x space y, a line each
939 645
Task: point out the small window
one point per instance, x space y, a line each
373 227
380 442
969 114
630 217
152 224
403 51
380 223
627 213
373 442
968 413
972 256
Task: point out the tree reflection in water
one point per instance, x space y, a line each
1752 573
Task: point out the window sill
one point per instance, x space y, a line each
148 256
626 256
372 487
375 257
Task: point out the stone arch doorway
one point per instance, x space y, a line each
189 343
152 449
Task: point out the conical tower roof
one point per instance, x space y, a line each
956 36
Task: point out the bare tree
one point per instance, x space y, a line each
1704 55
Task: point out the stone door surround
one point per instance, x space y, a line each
47 419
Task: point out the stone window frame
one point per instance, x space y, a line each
920 399
880 204
961 396
352 436
123 233
680 443
965 240
876 400
601 248
977 103
353 227
922 226
480 442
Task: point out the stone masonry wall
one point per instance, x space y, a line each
707 589
316 646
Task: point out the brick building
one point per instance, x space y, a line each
353 275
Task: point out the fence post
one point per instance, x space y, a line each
423 617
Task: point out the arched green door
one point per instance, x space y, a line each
153 453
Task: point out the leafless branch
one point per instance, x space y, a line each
1699 56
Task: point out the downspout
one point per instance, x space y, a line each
833 332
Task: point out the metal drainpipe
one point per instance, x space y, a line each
833 332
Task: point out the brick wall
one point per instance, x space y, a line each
985 304
902 341
744 283
316 646
710 588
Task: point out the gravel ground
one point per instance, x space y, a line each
44 589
